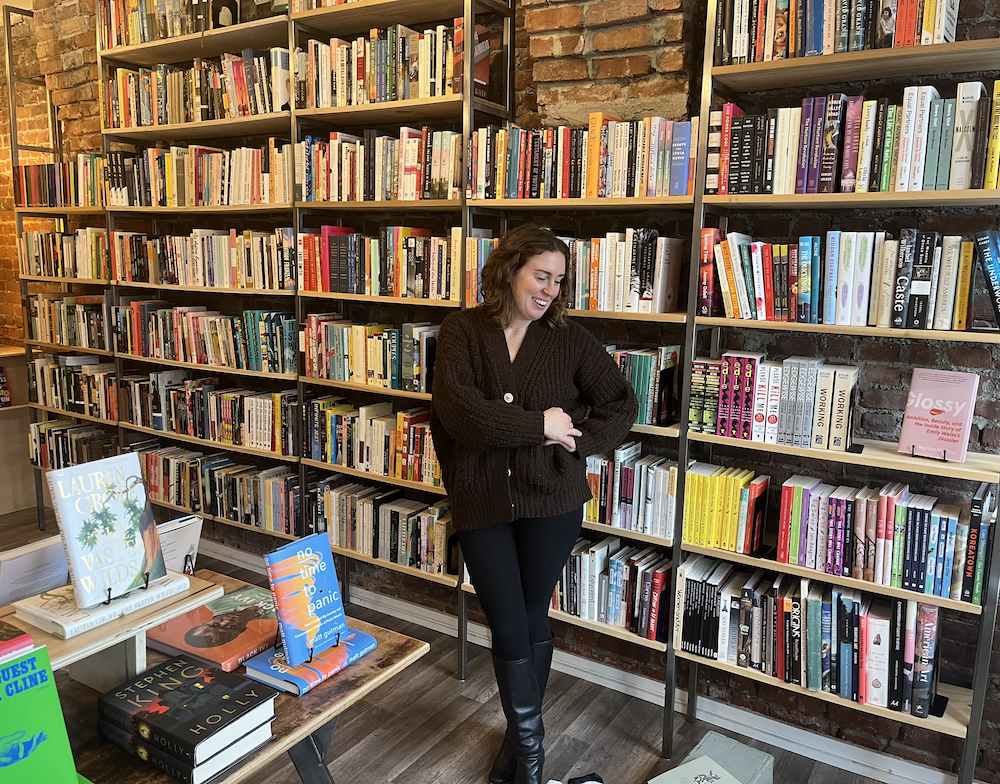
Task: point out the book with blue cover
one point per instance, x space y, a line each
272 668
309 606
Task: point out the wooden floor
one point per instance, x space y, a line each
427 727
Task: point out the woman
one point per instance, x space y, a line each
521 398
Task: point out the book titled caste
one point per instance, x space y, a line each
107 527
310 610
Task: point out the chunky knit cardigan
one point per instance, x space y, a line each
488 423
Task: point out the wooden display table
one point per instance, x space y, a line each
110 654
303 726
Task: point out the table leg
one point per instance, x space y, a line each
307 755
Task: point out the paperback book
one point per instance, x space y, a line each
271 668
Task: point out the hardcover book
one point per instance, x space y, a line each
107 527
270 667
309 608
938 417
172 704
226 632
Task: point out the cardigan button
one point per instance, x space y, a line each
508 397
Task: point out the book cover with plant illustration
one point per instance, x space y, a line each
107 528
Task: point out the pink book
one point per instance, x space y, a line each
938 417
852 143
726 380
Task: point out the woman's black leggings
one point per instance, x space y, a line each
514 568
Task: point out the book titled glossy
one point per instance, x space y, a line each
271 668
310 611
938 415
226 631
188 708
107 527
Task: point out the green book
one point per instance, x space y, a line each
888 148
933 145
899 544
796 526
34 746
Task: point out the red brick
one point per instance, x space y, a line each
560 18
670 29
560 70
621 39
969 357
670 61
659 87
664 5
557 45
610 11
880 351
616 67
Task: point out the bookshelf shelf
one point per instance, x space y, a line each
449 580
955 721
978 467
254 125
417 205
57 279
72 414
243 450
348 19
444 107
133 284
389 480
958 57
207 368
59 211
671 431
227 209
68 349
569 205
840 329
431 303
223 520
369 388
635 536
854 201
849 582
261 34
611 315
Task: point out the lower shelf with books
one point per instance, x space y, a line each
371 388
72 414
671 431
223 520
952 336
603 528
389 480
614 315
449 580
198 366
59 347
243 450
954 722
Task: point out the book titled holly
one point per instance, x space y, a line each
938 416
107 528
309 607
271 667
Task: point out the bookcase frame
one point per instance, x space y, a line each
963 716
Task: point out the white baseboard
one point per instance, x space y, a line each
822 748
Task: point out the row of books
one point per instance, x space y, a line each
864 278
373 438
865 648
755 31
380 523
83 254
260 340
75 383
401 261
653 376
251 83
632 492
652 157
121 23
799 402
200 176
725 508
478 245
389 64
620 586
169 401
378 166
847 144
62 442
634 271
378 355
78 183
79 321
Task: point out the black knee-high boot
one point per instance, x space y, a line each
505 765
522 705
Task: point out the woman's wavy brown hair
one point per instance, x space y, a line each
514 251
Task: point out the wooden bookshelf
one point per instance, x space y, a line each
369 388
978 467
223 520
955 721
351 18
207 368
671 431
570 205
449 580
254 125
260 34
387 480
953 58
67 281
61 348
858 201
72 414
210 443
443 107
133 284
635 536
611 315
848 582
374 298
956 336
416 205
208 210
57 211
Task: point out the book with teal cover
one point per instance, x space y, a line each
270 667
34 745
309 607
107 527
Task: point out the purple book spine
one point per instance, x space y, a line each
805 145
816 145
838 545
852 144
831 533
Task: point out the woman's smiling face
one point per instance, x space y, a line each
536 284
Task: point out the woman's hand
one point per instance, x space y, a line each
559 429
